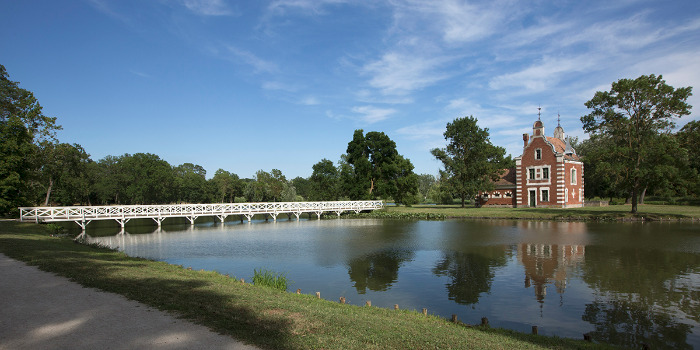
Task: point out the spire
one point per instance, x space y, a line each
559 131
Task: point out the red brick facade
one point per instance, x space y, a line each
547 174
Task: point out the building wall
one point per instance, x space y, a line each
498 198
551 184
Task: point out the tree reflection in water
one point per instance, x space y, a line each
377 271
471 273
644 294
633 323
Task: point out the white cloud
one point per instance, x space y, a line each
400 74
306 6
455 21
371 114
544 75
208 7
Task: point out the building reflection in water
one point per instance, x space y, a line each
548 263
553 250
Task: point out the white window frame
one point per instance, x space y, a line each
574 174
538 154
542 191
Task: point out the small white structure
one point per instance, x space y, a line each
83 215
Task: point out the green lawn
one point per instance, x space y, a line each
258 315
614 212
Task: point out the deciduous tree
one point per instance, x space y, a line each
471 162
632 113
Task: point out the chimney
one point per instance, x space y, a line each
526 139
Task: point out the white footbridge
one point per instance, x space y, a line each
83 215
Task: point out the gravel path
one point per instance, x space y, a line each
39 310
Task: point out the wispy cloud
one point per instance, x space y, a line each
247 57
542 75
401 74
208 7
371 114
304 6
309 101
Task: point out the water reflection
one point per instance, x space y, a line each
625 283
377 271
548 264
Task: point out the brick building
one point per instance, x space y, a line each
547 174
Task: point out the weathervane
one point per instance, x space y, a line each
539 112
558 119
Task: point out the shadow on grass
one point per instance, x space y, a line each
183 292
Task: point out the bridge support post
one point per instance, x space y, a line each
82 223
158 220
222 217
297 214
249 216
274 216
192 219
122 222
318 213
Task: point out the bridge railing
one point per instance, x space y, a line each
123 213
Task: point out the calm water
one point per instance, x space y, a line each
627 283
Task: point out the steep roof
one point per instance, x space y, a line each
560 147
507 179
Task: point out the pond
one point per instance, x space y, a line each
625 283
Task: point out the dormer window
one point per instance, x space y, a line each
538 154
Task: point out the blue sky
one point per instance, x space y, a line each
249 85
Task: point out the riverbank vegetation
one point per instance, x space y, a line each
262 316
648 212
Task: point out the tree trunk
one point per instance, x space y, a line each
641 196
463 201
634 200
48 192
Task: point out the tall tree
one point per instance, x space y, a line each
64 168
324 181
227 185
149 179
22 126
471 162
191 183
689 139
376 169
632 113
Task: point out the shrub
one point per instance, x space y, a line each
269 278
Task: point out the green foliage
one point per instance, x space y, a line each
324 181
23 126
471 162
268 278
632 115
372 168
226 186
303 187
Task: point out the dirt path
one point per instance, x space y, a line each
39 310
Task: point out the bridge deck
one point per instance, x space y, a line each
82 215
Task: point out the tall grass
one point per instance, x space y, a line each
267 278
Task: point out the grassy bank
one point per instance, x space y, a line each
609 213
262 316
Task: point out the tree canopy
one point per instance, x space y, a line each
377 170
632 114
471 162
